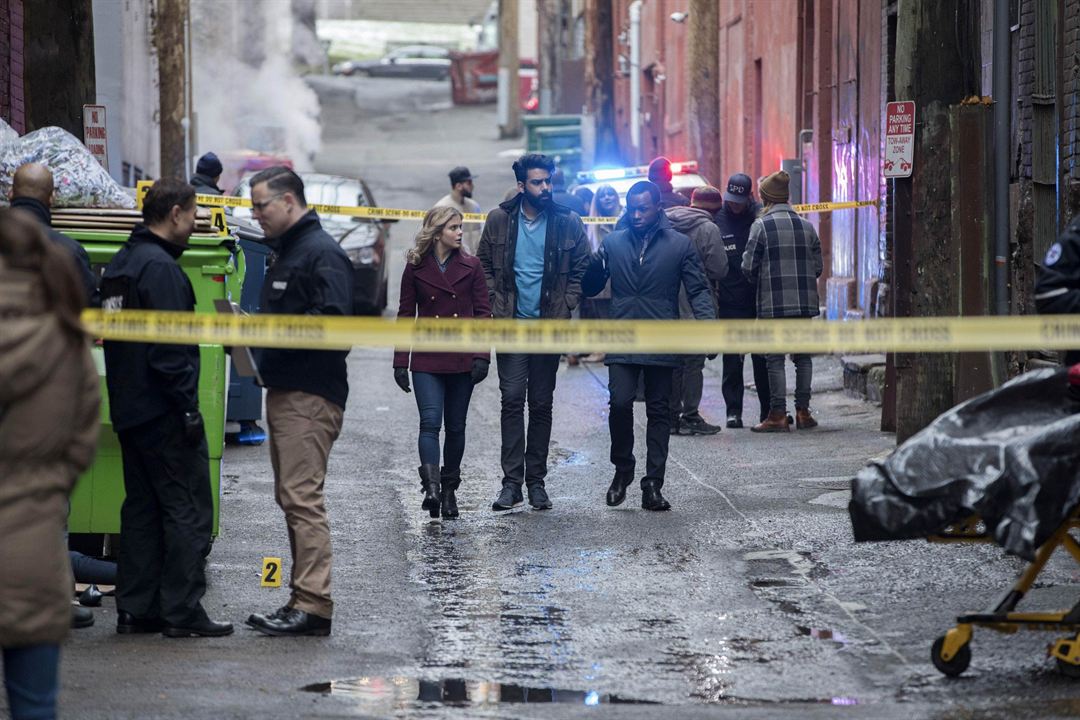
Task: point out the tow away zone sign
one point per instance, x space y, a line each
94 134
899 139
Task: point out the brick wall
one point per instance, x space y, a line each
12 97
1025 82
1070 142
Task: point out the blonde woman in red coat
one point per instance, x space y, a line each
440 281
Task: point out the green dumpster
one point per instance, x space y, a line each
534 123
216 272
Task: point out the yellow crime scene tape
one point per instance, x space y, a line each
378 213
943 334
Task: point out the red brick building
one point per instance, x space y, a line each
809 79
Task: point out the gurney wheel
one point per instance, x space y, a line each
956 665
1068 669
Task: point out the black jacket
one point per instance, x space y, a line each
669 198
77 251
566 254
309 275
735 294
645 281
1057 280
205 186
148 380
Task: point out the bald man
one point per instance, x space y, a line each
31 192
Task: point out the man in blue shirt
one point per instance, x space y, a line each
534 253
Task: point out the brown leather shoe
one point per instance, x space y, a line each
775 422
804 420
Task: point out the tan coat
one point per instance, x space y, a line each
49 402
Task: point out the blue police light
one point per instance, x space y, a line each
609 174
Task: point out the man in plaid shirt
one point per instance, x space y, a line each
783 260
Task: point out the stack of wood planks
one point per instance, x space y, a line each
117 220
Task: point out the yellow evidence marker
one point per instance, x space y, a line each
271 572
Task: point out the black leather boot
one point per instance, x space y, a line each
450 481
429 485
617 491
651 499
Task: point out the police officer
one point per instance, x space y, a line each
167 516
1057 281
735 295
306 392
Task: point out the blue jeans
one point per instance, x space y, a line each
32 677
442 398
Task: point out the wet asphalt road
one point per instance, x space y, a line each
748 600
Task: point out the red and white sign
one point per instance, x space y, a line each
899 139
94 135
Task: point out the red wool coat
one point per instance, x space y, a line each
426 291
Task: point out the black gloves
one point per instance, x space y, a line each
401 377
193 428
479 370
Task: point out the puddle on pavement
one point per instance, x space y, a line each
376 694
822 634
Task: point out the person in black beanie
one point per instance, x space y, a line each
735 295
207 175
660 175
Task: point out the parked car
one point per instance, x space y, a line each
364 240
422 62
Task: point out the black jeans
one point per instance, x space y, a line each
687 382
165 523
442 398
526 377
622 385
732 384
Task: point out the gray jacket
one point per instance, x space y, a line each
783 258
698 225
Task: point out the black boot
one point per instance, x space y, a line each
429 485
450 481
617 492
651 499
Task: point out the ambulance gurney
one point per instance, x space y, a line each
79 178
1003 467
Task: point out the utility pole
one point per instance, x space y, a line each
509 105
553 15
600 76
930 35
169 23
704 88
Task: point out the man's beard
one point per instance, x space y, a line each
539 202
466 193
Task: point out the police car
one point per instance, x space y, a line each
363 240
684 178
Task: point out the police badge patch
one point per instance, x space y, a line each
1052 255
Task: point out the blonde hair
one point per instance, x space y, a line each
435 222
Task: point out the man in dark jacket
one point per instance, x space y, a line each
167 515
688 379
660 175
534 253
306 391
1057 281
207 175
647 262
783 259
735 295
31 192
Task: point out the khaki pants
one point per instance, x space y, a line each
303 428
